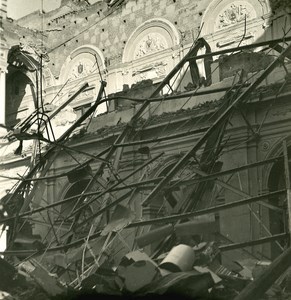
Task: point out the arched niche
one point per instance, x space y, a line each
77 183
149 50
274 180
223 22
221 14
81 63
19 97
149 38
22 79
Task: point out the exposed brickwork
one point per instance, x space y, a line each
109 34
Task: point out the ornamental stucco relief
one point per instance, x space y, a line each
150 37
150 71
82 62
152 42
222 15
233 14
81 68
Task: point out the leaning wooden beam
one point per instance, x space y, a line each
71 98
207 210
225 172
109 189
96 235
86 114
288 187
130 125
26 123
235 190
275 237
51 154
243 97
140 185
257 288
147 185
198 226
72 149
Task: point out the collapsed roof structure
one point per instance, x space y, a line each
197 156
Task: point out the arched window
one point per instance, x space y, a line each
79 230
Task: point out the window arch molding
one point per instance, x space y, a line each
220 14
275 150
163 31
86 55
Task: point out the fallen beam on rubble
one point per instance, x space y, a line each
275 237
198 226
219 121
257 288
207 210
44 279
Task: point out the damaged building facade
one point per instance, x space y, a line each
173 138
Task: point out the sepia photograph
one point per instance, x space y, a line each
145 149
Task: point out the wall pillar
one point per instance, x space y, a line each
3 62
3 71
2 96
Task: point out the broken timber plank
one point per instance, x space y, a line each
43 278
258 287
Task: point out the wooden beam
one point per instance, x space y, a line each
235 190
205 211
257 288
260 241
221 119
288 186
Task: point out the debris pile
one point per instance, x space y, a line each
184 271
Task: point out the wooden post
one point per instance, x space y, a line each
288 186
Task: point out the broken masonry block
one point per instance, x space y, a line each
47 281
180 259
